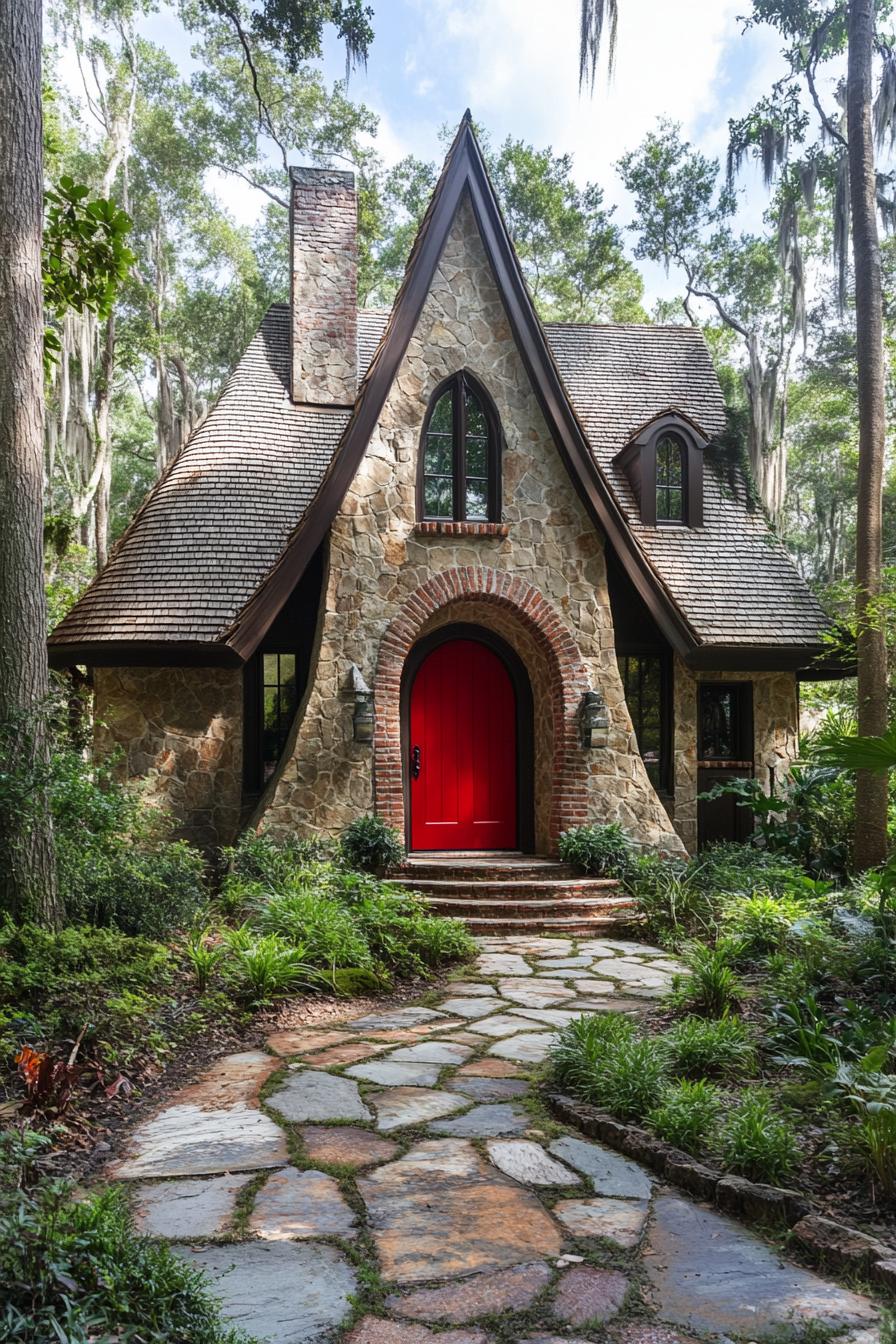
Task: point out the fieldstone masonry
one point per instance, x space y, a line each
389 577
324 228
775 734
180 730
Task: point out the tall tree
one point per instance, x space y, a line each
871 786
777 131
27 866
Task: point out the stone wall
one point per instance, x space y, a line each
324 227
380 559
775 734
179 730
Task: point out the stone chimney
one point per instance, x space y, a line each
324 233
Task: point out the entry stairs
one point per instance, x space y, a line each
518 893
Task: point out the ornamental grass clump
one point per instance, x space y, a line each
710 987
687 1114
758 1142
698 1047
604 1062
761 923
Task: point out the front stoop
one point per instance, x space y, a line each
518 893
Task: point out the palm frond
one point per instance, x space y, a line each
860 753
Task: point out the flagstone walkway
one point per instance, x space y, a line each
392 1178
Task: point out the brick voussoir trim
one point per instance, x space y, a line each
569 679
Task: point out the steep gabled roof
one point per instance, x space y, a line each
220 542
464 172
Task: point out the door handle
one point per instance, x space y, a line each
415 763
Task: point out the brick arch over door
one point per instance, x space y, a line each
569 680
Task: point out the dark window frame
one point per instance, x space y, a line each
661 482
639 462
255 778
457 385
664 782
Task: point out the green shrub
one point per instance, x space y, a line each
114 866
711 986
756 1142
74 1271
328 933
259 858
581 1047
671 902
731 869
204 957
698 1047
762 922
369 844
54 984
687 1114
269 968
600 851
602 1060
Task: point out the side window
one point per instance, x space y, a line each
645 685
460 455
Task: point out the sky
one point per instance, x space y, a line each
514 63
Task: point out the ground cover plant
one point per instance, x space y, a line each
774 1057
74 1271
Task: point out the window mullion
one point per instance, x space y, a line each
460 466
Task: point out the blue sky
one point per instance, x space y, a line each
514 63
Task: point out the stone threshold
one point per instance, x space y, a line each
828 1244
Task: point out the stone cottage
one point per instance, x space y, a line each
484 575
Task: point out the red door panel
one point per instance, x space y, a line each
463 727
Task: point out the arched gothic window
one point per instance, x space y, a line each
671 468
460 454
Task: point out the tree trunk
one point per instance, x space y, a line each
871 789
27 865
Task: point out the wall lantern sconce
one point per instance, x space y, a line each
594 721
363 717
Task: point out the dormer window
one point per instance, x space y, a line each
671 473
460 477
664 466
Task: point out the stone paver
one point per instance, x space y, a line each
375 1330
529 1164
527 1048
708 1273
465 1225
399 1106
397 1018
393 1073
345 1145
280 1292
471 1007
182 1210
489 1089
619 1220
609 1173
484 1121
433 1052
501 1024
588 1295
482 1295
298 1205
441 1212
318 1096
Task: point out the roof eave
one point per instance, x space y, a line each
141 653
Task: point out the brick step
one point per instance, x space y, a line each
593 887
575 907
584 925
536 870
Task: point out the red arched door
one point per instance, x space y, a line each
463 756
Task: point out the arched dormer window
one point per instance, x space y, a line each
671 478
460 455
664 466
